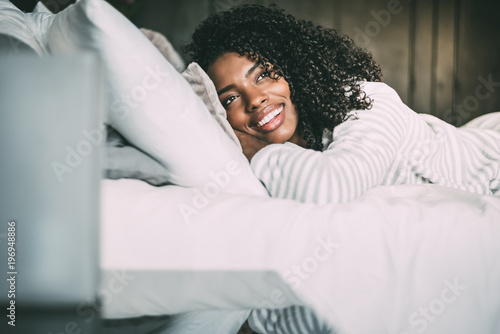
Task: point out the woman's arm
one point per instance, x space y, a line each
358 159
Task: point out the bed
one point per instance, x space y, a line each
191 242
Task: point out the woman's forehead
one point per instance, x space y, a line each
231 66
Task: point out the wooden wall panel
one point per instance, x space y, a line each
444 63
479 59
421 62
176 20
382 27
319 11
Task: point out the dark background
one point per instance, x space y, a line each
438 54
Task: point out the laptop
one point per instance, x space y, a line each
49 192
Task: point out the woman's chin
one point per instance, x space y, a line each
276 138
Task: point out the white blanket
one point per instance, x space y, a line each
401 259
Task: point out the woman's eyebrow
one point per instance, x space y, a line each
225 89
257 64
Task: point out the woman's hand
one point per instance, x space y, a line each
250 144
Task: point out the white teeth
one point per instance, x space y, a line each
270 116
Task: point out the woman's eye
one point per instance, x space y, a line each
262 76
228 101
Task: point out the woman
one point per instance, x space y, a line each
283 80
287 81
317 63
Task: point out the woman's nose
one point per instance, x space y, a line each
255 98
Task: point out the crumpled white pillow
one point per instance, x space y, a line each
166 48
151 104
22 30
17 31
205 89
40 21
41 8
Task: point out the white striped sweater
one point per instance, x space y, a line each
388 144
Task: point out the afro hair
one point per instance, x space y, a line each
322 67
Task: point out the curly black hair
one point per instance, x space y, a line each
322 67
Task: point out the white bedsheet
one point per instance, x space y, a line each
401 259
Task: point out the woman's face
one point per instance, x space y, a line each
255 103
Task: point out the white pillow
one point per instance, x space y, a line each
16 31
40 21
151 104
41 8
205 89
166 48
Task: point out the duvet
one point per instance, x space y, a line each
400 259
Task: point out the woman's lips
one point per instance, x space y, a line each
272 119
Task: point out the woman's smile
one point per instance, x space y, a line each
269 119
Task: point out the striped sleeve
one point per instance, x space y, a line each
358 159
290 320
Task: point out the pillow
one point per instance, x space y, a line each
16 31
151 104
24 32
165 48
123 161
39 21
205 89
41 8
